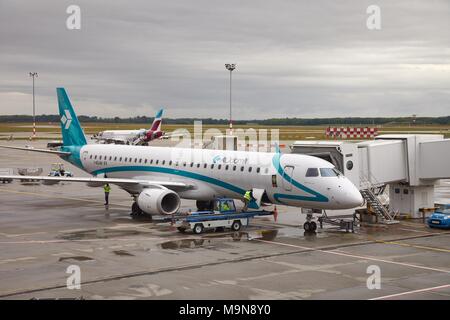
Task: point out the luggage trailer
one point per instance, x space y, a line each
219 218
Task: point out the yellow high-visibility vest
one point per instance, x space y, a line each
247 196
106 188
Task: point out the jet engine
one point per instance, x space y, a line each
158 201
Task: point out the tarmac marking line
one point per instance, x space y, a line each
411 292
62 254
413 246
60 197
413 230
82 240
9 235
17 259
338 252
105 228
287 245
186 267
341 253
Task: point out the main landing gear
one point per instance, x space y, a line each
137 212
309 225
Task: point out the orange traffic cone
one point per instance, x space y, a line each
275 213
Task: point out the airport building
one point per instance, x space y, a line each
404 168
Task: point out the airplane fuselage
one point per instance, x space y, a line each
129 136
286 178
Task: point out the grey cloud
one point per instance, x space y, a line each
295 58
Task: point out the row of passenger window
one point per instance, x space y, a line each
175 163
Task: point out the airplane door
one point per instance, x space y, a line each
287 177
257 194
85 155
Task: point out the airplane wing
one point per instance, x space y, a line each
36 150
100 181
172 135
112 141
117 141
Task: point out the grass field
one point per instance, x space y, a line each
285 132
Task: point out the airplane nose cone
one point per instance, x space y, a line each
352 197
355 199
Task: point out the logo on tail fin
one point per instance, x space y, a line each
66 119
156 125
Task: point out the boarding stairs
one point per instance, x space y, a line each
374 193
139 141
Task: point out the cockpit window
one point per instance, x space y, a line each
338 172
328 172
312 172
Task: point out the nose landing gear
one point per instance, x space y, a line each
309 225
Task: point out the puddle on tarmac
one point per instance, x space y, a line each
97 233
187 244
132 220
76 258
123 253
219 239
143 218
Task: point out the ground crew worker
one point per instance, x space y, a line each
225 206
107 189
248 196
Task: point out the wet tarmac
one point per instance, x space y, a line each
45 229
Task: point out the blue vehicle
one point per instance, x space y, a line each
440 218
224 215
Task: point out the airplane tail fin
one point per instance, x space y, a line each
72 132
156 125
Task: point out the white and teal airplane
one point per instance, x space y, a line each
158 177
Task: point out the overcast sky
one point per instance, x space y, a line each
294 58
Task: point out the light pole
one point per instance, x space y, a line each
230 67
33 75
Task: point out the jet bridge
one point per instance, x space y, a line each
409 165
